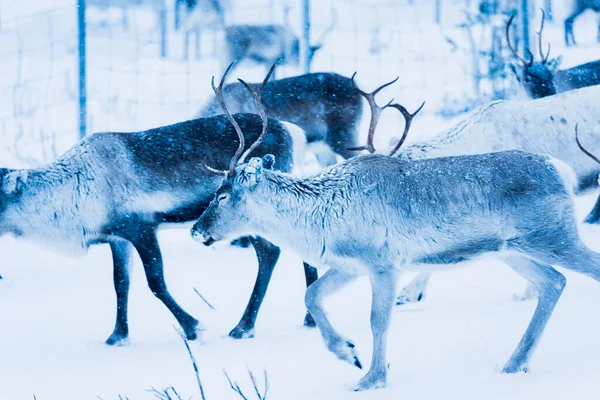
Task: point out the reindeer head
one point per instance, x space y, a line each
535 76
227 213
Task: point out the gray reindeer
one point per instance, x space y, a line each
580 6
543 78
269 44
539 125
325 105
118 188
378 215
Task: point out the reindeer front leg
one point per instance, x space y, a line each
332 281
121 254
145 242
383 285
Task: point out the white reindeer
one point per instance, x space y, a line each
377 215
542 125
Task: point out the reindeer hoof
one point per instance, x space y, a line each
404 299
511 368
345 351
309 321
117 339
241 333
371 381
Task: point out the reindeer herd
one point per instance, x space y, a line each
501 183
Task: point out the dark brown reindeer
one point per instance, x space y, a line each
543 78
325 105
580 6
119 188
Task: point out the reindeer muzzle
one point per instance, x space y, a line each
202 237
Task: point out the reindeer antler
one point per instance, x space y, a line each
590 155
375 112
239 155
544 58
408 117
219 94
257 100
525 63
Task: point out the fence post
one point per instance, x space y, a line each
82 73
438 11
306 35
162 22
525 27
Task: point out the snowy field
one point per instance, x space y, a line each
56 312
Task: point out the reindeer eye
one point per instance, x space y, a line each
222 197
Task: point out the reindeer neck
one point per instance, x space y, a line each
288 209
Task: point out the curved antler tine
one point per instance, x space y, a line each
219 94
544 58
211 170
261 111
408 117
375 112
590 155
355 86
513 51
271 70
374 92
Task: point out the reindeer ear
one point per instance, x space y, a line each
252 172
554 63
13 181
268 160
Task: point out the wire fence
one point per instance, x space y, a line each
137 76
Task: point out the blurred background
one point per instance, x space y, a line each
73 67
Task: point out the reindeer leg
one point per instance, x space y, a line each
145 242
197 43
267 254
121 254
186 45
594 215
383 284
333 280
311 274
549 284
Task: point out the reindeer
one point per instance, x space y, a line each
379 215
268 44
118 188
539 125
197 16
580 7
324 105
123 5
543 78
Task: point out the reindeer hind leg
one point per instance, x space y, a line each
549 284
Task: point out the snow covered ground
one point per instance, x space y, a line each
55 313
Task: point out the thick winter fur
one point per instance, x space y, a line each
580 6
544 125
376 215
118 188
324 105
